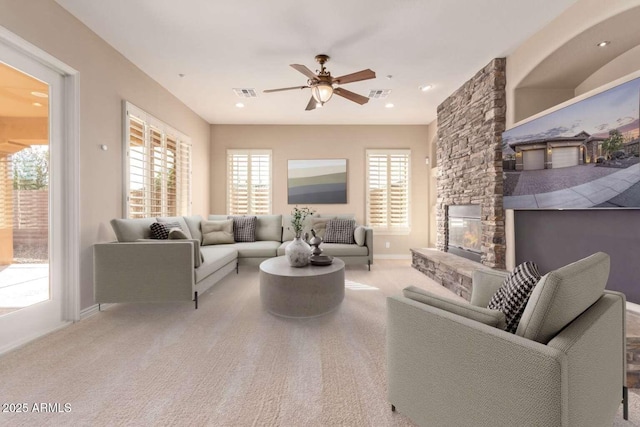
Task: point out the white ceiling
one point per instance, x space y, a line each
220 45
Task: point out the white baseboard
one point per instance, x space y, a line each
26 340
392 256
91 310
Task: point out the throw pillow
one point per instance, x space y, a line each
514 294
244 228
320 226
177 234
340 231
360 235
160 230
217 232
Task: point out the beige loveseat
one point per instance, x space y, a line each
137 268
564 366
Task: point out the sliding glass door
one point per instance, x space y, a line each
31 122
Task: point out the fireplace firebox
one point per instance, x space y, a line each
464 231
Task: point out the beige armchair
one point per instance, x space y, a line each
565 366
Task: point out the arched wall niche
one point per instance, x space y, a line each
563 60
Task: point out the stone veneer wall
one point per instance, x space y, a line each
469 154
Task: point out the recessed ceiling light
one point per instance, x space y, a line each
425 88
240 105
389 105
37 104
40 94
604 43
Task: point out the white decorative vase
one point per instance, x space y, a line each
298 253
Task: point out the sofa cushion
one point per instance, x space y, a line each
215 257
180 220
257 249
338 216
217 232
360 235
244 228
193 223
495 318
341 249
320 226
340 231
562 295
131 230
269 227
513 295
177 234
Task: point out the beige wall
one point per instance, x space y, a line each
526 57
432 137
106 79
321 142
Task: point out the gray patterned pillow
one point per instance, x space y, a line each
512 297
160 230
340 231
244 228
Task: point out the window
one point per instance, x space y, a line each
158 167
388 190
248 182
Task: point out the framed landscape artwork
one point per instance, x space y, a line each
584 155
318 181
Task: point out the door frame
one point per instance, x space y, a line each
70 178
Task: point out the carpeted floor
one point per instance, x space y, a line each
229 363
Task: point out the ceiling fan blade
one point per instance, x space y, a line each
304 70
351 96
284 88
355 77
312 104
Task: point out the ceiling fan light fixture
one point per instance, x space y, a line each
322 92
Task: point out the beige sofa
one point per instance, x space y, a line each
564 366
137 268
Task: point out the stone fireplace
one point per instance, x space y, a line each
469 159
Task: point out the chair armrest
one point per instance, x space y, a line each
445 369
368 241
484 285
142 271
595 345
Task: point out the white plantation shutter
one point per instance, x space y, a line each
184 178
388 178
248 182
158 167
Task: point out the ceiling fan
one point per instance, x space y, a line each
323 85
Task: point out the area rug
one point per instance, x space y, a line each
229 363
